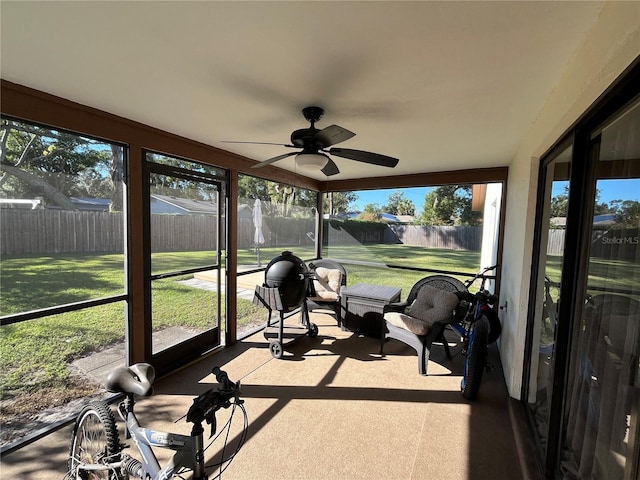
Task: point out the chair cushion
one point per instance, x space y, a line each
327 284
325 297
433 304
414 325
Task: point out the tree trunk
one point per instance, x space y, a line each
117 171
50 192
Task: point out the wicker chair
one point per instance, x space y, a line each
329 278
422 318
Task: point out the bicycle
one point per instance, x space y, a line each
478 326
96 451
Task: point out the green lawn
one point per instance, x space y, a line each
35 354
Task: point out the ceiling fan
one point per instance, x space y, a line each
315 145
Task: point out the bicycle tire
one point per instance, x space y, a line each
476 360
94 440
495 327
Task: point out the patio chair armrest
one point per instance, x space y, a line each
395 307
446 321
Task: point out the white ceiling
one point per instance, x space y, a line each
440 85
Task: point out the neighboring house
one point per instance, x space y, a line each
245 211
605 220
598 220
405 219
80 203
180 206
91 204
21 203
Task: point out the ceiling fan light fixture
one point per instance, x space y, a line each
312 161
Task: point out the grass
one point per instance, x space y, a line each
32 282
463 261
35 354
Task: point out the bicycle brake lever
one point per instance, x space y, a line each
211 419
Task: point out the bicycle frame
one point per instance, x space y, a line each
463 326
189 448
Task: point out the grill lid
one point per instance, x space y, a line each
290 275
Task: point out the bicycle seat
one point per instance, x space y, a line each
136 379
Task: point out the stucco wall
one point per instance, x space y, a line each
608 48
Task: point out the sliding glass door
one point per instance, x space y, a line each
583 384
553 216
603 402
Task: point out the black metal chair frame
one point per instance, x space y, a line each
422 343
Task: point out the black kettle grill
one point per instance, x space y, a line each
290 275
286 284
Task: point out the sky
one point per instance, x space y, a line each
621 189
627 189
415 194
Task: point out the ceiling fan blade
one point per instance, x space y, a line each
273 160
261 143
366 157
330 168
332 135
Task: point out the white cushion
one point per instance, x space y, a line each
414 325
327 284
325 296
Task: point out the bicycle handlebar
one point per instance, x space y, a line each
485 296
481 274
207 404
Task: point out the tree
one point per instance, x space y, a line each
371 213
117 178
336 203
449 205
627 213
601 208
398 204
560 204
39 162
253 187
279 198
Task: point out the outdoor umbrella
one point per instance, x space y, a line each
258 236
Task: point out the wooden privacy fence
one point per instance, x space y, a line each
277 231
450 238
58 231
555 242
615 243
183 233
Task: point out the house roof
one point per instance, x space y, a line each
186 205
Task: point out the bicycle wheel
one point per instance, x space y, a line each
476 358
94 441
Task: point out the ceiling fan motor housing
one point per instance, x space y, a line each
315 144
304 138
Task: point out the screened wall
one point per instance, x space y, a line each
63 271
272 217
397 236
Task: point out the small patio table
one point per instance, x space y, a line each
362 307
